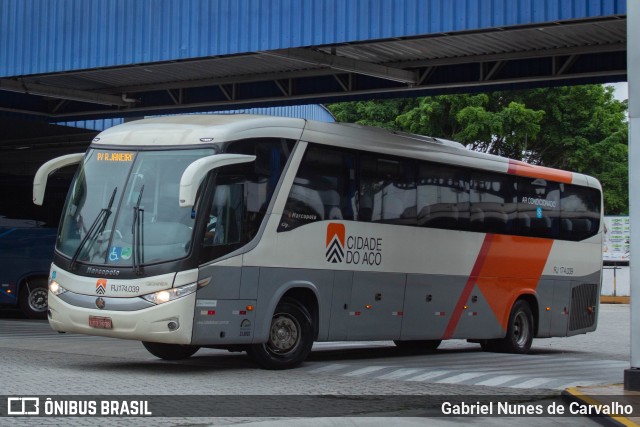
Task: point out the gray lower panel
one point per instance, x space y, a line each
340 304
429 303
371 306
377 304
546 291
222 322
224 282
478 320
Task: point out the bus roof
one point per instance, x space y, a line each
190 130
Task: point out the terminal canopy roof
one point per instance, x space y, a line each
79 59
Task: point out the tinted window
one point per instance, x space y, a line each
580 214
17 208
443 197
260 177
242 193
493 203
343 184
323 189
538 207
387 190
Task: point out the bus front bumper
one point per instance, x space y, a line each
171 322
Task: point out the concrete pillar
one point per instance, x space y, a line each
632 376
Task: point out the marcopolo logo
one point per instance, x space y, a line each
335 243
352 249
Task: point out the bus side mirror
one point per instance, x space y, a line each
40 180
196 171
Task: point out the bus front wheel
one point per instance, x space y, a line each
290 338
520 332
170 351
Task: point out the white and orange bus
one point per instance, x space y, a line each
266 234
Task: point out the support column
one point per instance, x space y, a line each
632 375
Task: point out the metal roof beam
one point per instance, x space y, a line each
567 64
20 86
509 56
342 63
318 96
219 81
420 79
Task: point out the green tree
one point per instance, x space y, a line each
579 128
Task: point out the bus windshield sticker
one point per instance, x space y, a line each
115 253
114 157
125 254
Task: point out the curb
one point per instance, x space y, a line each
574 394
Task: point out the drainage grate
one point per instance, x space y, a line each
583 306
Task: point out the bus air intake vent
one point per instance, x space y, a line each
583 306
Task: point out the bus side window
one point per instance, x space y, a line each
493 203
387 190
443 197
224 226
323 189
538 208
579 212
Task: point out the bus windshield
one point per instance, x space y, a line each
123 208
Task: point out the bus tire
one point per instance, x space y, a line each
520 331
422 346
290 338
33 298
170 351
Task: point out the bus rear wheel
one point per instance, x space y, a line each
290 339
33 298
422 346
520 332
170 351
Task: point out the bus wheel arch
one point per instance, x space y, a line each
33 297
290 338
293 327
521 328
308 300
533 305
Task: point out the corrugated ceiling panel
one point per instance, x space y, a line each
42 36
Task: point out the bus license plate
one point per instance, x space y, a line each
100 322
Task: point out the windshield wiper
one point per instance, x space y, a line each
97 227
137 229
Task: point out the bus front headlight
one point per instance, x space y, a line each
55 288
167 295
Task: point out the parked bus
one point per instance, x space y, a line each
266 234
28 232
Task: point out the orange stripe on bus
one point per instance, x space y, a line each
506 267
533 171
468 287
513 266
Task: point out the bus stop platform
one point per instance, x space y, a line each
599 398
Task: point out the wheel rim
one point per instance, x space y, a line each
521 329
38 300
284 334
